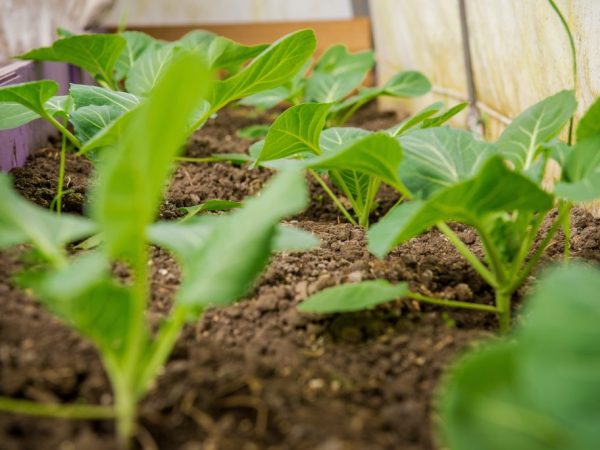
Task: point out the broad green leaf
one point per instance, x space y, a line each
240 257
148 68
515 394
16 113
407 84
354 102
267 99
272 68
187 238
295 131
521 140
108 136
440 157
589 125
132 179
494 189
22 222
84 95
83 294
337 73
95 53
32 95
13 115
254 131
226 54
377 154
90 120
581 172
198 41
136 44
353 297
415 120
335 138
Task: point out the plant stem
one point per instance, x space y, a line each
57 411
198 160
59 126
566 227
452 303
538 253
333 197
525 246
163 345
363 220
468 255
503 307
61 175
492 255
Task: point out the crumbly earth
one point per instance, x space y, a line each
259 374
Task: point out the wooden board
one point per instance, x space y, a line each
354 33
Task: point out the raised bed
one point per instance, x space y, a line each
260 374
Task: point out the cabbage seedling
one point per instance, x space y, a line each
497 190
218 263
334 77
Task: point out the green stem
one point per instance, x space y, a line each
526 246
492 256
204 118
567 29
59 126
163 345
61 175
503 307
533 261
56 411
333 197
363 220
198 160
452 303
566 227
468 255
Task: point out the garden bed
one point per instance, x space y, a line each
260 374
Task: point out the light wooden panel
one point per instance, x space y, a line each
355 33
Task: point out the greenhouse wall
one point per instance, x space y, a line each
519 49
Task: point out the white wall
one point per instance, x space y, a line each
185 12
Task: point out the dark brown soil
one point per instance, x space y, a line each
259 374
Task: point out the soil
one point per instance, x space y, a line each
259 374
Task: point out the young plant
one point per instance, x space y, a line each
497 190
335 76
537 389
356 160
218 263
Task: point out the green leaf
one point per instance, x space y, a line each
440 157
407 84
521 140
209 205
148 68
226 54
95 53
267 99
22 222
84 95
295 131
109 135
198 41
377 154
32 95
444 117
136 44
516 394
494 189
272 68
292 239
353 297
90 120
83 294
415 120
337 73
133 177
589 125
581 172
254 131
239 257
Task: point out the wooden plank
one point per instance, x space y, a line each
355 33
